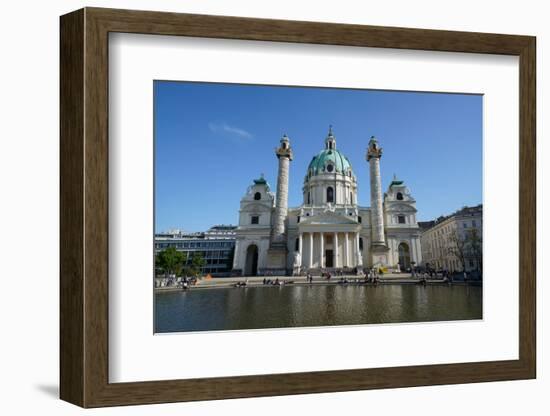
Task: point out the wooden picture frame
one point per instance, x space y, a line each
84 207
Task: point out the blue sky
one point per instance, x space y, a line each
212 139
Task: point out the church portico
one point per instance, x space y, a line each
329 230
327 247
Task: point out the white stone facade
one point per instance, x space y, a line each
329 231
447 242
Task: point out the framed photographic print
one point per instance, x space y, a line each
255 207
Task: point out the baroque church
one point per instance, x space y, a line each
329 231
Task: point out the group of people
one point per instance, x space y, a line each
276 282
434 274
173 281
185 282
327 275
372 275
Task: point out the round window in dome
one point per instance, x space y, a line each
330 168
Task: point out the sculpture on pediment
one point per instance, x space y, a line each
330 207
359 256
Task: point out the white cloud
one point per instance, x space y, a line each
233 131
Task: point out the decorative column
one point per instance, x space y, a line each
379 251
336 250
284 154
277 254
322 249
300 245
346 250
374 153
310 261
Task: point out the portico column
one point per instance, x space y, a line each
357 249
322 243
346 250
418 252
310 250
412 250
300 244
336 250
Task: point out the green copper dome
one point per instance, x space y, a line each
320 163
329 160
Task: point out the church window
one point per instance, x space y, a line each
360 243
330 168
330 194
359 219
257 196
255 219
297 245
309 198
401 219
399 196
298 219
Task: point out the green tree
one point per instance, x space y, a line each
197 263
458 247
170 261
476 247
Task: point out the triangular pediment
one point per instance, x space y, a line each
255 207
400 207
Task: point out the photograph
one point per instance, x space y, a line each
298 206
